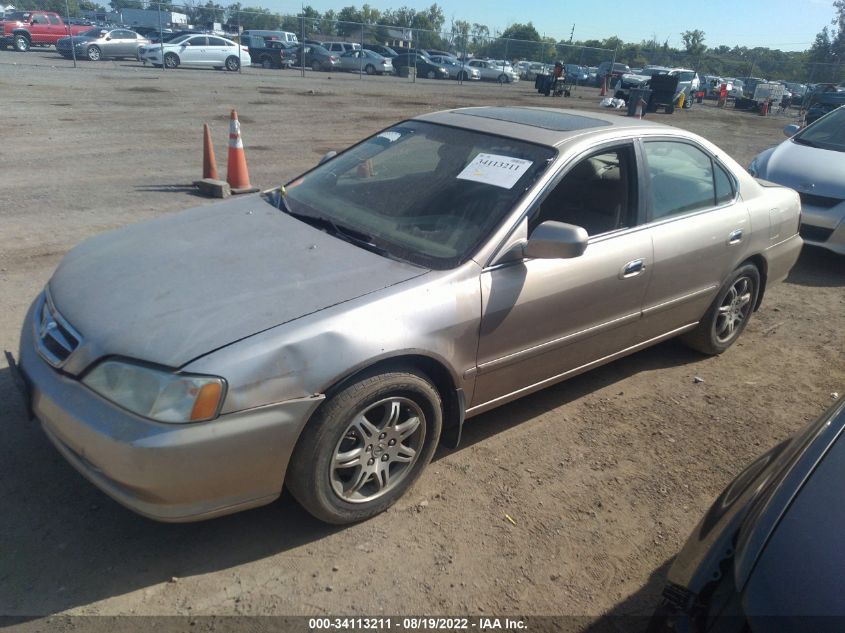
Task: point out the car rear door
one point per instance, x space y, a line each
544 319
700 229
217 51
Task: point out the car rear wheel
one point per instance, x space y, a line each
233 63
315 65
370 69
171 60
503 79
729 313
93 53
266 62
365 447
22 43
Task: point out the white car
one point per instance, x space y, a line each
493 71
197 50
457 69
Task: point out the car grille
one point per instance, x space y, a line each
678 596
819 201
55 338
815 233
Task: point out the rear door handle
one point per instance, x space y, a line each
632 269
735 237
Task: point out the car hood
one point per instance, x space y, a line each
807 169
176 288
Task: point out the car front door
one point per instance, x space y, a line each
192 51
545 319
700 229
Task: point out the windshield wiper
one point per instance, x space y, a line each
348 234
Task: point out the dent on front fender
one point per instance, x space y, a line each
437 318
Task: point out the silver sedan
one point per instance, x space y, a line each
812 162
366 61
457 69
326 336
98 44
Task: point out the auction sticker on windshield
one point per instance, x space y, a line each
493 169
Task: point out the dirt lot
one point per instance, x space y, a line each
604 475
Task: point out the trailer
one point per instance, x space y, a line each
152 18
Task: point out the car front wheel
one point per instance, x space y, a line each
93 53
728 314
22 43
365 447
233 63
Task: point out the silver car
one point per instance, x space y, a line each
490 70
457 69
327 335
365 61
98 44
812 162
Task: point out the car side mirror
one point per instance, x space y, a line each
327 156
556 240
791 129
108 39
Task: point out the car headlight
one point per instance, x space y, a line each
157 394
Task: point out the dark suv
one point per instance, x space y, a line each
424 65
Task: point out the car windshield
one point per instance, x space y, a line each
423 193
826 133
686 76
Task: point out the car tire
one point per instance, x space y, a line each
93 53
503 79
362 450
315 65
22 43
233 64
370 69
431 75
729 313
171 60
266 62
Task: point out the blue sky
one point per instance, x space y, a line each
783 24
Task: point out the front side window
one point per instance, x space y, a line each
54 19
598 193
39 19
681 178
424 193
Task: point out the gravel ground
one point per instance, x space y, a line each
604 475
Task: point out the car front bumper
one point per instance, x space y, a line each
824 226
167 472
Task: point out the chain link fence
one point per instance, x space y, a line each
504 59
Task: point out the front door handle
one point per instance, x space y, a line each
632 269
735 237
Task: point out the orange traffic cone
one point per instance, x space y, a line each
237 173
209 164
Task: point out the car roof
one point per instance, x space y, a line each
545 126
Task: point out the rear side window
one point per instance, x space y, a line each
682 179
216 41
54 19
39 19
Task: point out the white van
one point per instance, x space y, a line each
283 36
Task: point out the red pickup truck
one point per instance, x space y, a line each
24 29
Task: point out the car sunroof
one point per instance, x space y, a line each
558 121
